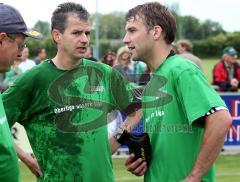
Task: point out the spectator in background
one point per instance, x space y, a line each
226 73
40 55
185 50
26 63
13 74
123 63
109 58
139 68
131 70
89 54
174 47
145 77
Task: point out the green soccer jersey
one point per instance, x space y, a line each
176 96
9 171
64 114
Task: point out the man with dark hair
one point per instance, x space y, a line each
13 31
63 104
40 55
186 119
109 58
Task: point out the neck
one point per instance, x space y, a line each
65 63
159 54
38 58
16 63
228 63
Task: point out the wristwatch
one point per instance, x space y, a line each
117 136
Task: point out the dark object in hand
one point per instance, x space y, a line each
137 144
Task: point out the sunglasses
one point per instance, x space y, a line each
21 46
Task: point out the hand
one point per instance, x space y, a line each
137 167
139 145
31 162
234 82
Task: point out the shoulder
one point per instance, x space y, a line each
34 73
219 64
180 64
99 66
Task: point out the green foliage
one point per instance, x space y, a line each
208 37
42 27
111 26
50 46
189 27
46 43
213 46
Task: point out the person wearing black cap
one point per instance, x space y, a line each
13 31
226 73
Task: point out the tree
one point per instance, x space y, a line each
42 27
190 27
210 28
111 26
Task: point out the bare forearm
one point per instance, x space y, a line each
216 128
20 153
129 124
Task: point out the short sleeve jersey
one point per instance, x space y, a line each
9 171
173 101
64 114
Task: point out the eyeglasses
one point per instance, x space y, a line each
21 46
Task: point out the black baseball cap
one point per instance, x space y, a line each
11 21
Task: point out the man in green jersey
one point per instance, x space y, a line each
63 104
186 119
13 31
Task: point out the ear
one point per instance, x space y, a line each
56 35
157 32
3 36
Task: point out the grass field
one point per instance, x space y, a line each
228 170
208 65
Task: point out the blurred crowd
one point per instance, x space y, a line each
226 73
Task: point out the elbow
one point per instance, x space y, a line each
227 122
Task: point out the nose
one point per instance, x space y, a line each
126 39
84 38
19 55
